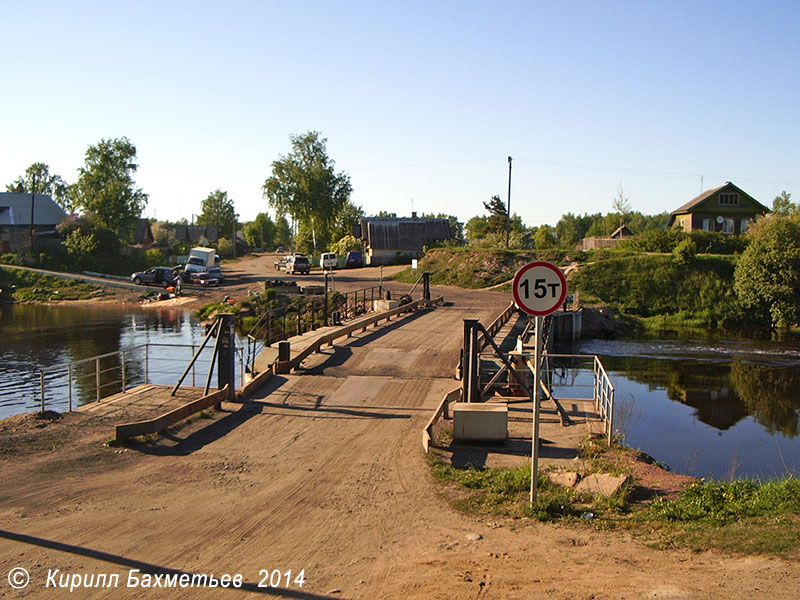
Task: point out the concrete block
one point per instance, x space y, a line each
480 422
383 305
602 484
567 479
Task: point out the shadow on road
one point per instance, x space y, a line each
145 567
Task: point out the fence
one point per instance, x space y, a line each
306 315
97 377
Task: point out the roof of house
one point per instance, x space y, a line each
392 233
708 193
15 209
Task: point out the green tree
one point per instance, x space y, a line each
545 238
106 186
348 216
217 210
38 179
498 215
767 277
783 206
347 244
260 232
283 232
621 204
304 185
477 228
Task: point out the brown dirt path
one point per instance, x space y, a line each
323 471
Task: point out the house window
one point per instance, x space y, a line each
728 226
729 199
708 224
743 226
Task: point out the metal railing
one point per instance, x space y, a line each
301 316
97 377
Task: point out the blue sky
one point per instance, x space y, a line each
421 102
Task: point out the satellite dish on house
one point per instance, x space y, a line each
720 220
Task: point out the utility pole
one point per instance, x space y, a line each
508 209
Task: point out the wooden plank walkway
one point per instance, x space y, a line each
141 402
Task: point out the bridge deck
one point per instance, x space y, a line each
140 402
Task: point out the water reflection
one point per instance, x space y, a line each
36 337
707 407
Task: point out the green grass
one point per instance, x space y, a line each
741 516
28 286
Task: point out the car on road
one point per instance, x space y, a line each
354 259
204 279
298 264
163 276
216 272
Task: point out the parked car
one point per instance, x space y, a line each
328 260
353 260
298 264
163 276
216 272
281 263
204 279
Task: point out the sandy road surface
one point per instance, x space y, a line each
324 471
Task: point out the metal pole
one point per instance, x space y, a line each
97 376
537 362
508 210
33 202
122 359
41 387
325 307
147 363
69 386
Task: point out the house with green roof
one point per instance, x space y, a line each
726 209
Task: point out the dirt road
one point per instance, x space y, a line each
322 472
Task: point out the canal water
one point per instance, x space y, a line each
35 337
708 408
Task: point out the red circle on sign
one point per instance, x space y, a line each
553 276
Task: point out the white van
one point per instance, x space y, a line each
328 261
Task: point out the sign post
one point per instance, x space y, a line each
539 288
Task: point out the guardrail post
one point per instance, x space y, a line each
426 286
97 376
122 361
147 363
471 361
69 387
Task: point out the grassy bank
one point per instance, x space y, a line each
741 516
478 268
28 286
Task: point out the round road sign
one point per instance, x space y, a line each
539 288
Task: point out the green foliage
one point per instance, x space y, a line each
218 211
719 502
153 257
652 285
655 240
30 286
498 215
260 233
347 244
106 187
38 179
224 248
304 185
783 206
85 237
545 238
349 215
685 253
768 272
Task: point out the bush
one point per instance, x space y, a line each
685 252
153 257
